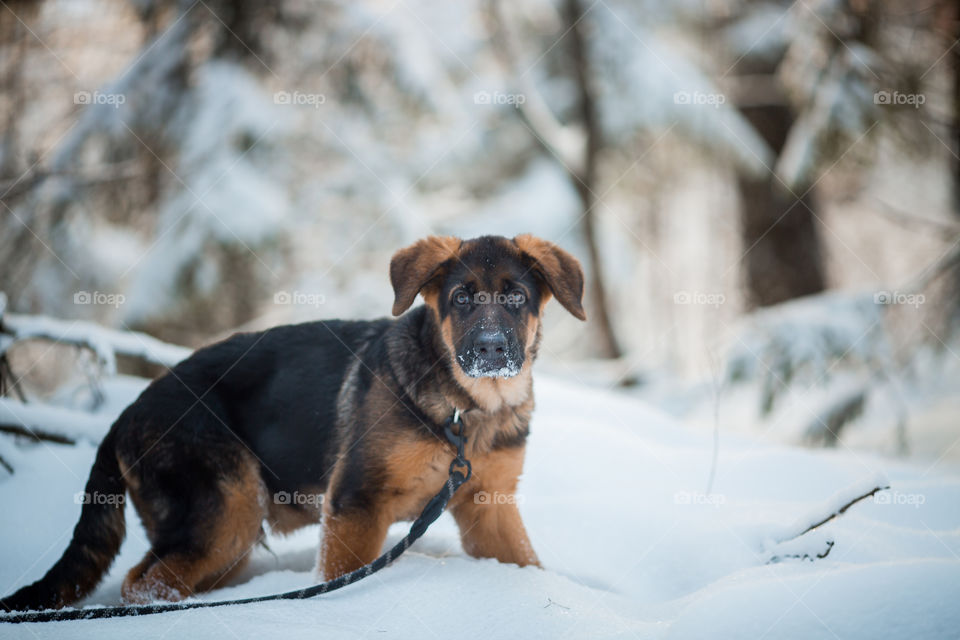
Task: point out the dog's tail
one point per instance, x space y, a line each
96 540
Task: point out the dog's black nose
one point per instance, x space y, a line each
491 343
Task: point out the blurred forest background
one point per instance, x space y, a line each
765 195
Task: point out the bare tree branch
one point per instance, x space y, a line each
837 512
106 173
567 143
803 556
911 220
36 434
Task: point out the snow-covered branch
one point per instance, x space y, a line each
835 506
793 542
107 344
566 143
52 424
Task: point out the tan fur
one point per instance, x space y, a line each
235 530
490 394
350 541
411 268
489 528
415 471
559 269
284 519
133 490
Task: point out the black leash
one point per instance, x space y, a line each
430 513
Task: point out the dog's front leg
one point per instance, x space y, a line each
486 510
351 538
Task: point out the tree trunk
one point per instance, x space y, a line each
783 255
586 184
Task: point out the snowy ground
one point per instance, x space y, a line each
614 500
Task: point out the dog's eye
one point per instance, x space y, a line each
516 297
461 298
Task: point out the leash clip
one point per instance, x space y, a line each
459 440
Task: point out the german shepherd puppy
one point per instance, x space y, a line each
339 419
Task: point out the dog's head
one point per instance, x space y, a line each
487 295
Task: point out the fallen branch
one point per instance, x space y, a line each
105 343
838 505
53 424
37 435
788 546
803 556
843 509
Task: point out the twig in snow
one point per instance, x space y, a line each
6 465
838 512
36 434
551 603
803 556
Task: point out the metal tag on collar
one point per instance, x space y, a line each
456 439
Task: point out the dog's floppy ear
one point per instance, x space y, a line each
558 269
412 268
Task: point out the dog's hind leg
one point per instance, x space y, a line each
199 535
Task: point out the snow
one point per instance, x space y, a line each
105 343
645 82
614 498
56 420
479 370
